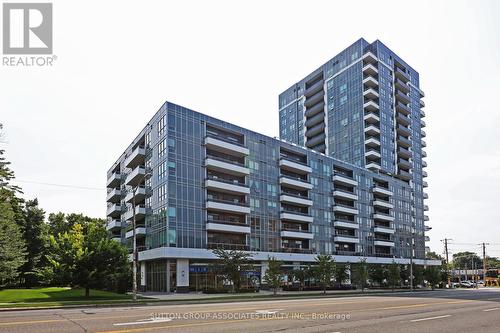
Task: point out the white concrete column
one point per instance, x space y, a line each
143 275
182 274
168 276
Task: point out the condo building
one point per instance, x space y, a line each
199 183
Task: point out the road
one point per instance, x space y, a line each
438 311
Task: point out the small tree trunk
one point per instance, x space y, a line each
87 291
275 291
324 288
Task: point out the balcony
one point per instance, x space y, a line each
426 218
424 144
372 154
402 141
400 74
297 234
226 186
294 166
293 199
296 216
226 165
314 99
113 225
340 208
371 106
403 98
369 69
405 175
423 134
345 224
422 104
424 164
136 157
383 230
372 130
424 153
228 228
228 206
114 179
370 93
404 164
422 113
403 130
426 207
383 217
346 239
315 111
140 213
402 86
369 57
374 166
225 146
378 242
402 119
371 117
425 184
135 177
228 246
338 193
422 123
370 81
140 194
114 210
318 86
344 179
295 249
427 239
114 195
296 183
382 191
404 109
403 152
372 142
382 203
140 232
424 173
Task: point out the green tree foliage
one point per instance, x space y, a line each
35 234
360 274
231 264
341 273
12 246
88 259
418 275
324 270
377 274
433 275
274 275
461 260
393 274
301 275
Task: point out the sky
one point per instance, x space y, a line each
118 61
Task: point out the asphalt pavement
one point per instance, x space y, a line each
463 310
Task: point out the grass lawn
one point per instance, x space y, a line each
55 294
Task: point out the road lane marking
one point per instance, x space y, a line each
429 318
31 322
494 309
144 321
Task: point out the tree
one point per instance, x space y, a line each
89 260
360 274
273 276
341 273
324 270
301 275
433 275
418 274
377 274
393 274
232 264
34 232
461 260
12 246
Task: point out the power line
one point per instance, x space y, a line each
61 185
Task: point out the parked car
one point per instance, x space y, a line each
466 284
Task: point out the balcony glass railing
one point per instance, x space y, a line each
228 246
226 160
225 138
293 159
227 181
227 201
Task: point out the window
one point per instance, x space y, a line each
171 212
343 88
343 100
162 192
161 125
161 149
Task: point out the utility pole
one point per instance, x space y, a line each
447 259
485 263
